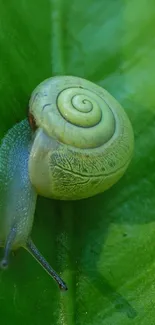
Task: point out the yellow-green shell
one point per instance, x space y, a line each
84 141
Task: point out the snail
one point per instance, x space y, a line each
76 143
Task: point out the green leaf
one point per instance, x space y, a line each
103 247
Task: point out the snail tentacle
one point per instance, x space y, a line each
8 247
33 250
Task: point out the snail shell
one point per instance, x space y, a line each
82 143
84 140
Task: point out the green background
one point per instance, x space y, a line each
104 247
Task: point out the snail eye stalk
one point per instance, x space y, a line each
32 249
8 247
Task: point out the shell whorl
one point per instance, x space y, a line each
74 111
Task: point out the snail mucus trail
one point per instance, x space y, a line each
82 146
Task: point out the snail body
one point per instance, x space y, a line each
15 186
79 144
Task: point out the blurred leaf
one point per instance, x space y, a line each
104 246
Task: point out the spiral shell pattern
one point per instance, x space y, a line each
73 111
84 141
